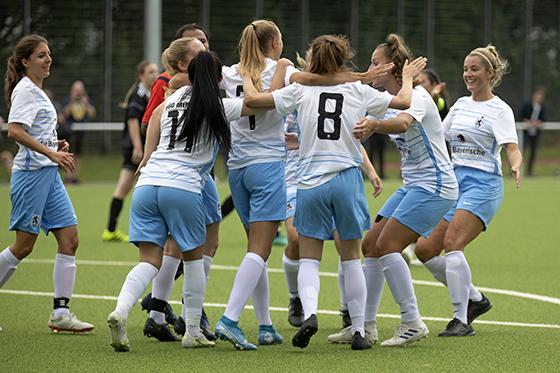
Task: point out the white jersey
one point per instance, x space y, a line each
292 156
477 130
424 159
258 138
174 163
32 107
326 116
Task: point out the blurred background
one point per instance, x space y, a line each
100 42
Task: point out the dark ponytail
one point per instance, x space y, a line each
205 114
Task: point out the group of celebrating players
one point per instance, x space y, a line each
293 137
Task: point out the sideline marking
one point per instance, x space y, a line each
512 293
281 309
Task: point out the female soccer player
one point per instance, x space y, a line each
330 187
132 144
429 190
168 195
477 127
39 199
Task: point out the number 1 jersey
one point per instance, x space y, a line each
327 115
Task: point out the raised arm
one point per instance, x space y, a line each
369 170
403 98
278 80
515 160
306 78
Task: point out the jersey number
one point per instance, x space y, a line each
252 121
334 116
174 115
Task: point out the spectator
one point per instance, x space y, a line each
533 114
78 108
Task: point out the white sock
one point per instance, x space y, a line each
246 278
134 285
355 284
64 278
400 282
375 281
261 299
162 286
341 290
458 276
309 285
291 268
8 265
436 266
207 266
194 287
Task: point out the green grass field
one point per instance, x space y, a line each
518 254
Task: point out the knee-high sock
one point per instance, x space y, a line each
194 287
261 299
375 281
309 285
341 289
246 279
400 282
114 211
136 282
291 268
436 266
64 277
458 276
355 284
207 266
162 286
8 265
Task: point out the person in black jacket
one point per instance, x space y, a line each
533 114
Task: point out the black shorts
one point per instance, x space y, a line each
128 164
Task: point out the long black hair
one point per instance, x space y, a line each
205 114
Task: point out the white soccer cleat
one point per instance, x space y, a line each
68 322
409 255
345 335
117 327
196 341
1 329
407 334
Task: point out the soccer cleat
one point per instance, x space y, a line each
159 332
228 330
67 322
1 330
170 316
116 236
345 335
295 312
196 341
346 320
455 328
359 342
279 240
205 327
409 255
476 309
269 336
305 332
407 334
179 326
117 327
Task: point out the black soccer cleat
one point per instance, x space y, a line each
295 312
359 342
305 332
476 309
179 326
455 328
145 303
159 332
205 327
346 320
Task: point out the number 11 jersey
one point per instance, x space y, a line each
327 115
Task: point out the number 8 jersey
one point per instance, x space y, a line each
327 115
178 164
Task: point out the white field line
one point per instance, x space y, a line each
281 309
511 293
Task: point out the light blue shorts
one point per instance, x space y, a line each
341 199
211 200
259 192
40 201
291 205
156 212
416 208
480 193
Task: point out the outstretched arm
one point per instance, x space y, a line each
366 127
306 78
254 98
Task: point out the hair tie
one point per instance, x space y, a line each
254 27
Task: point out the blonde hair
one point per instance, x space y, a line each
177 51
395 49
177 81
492 62
330 54
253 46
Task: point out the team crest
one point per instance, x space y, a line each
35 220
290 207
478 122
461 138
